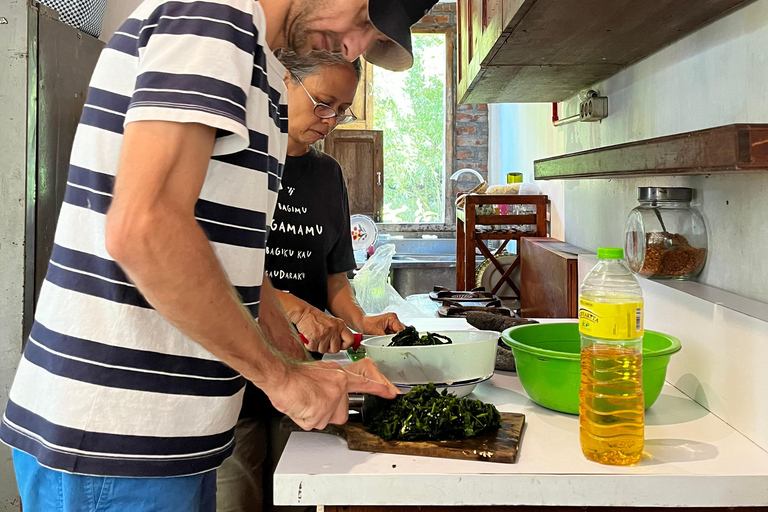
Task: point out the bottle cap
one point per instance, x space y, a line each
610 253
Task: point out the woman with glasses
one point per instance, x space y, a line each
309 252
309 247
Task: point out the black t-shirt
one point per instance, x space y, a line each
309 240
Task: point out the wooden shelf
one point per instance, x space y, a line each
725 149
548 50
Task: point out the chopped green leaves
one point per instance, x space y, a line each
424 414
409 337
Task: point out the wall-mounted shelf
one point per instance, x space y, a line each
731 148
543 50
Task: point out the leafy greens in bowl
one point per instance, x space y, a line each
409 337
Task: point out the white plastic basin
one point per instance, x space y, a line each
470 357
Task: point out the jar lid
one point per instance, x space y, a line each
664 194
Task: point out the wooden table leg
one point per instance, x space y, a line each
469 247
541 220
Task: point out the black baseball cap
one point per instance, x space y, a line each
394 18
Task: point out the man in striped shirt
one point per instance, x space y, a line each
132 378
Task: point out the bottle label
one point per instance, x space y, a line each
611 321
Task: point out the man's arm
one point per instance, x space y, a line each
276 325
153 235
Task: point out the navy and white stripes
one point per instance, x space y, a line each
106 386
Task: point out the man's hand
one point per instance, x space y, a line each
316 394
388 323
326 334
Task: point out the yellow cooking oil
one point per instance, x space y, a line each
611 412
611 402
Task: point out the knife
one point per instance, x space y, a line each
366 407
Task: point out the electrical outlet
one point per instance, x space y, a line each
593 109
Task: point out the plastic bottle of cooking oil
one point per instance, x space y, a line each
611 407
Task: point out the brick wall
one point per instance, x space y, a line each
471 136
440 15
470 130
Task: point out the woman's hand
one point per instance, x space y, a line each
326 334
388 323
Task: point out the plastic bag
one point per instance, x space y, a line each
373 291
530 189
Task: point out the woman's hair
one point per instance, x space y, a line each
314 62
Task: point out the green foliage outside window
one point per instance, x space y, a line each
410 108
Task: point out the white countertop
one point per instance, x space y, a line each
693 459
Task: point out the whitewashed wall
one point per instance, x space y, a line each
715 76
13 131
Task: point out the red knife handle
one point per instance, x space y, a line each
355 344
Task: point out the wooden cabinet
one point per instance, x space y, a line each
547 50
481 25
363 105
361 156
549 278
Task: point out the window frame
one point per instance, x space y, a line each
449 208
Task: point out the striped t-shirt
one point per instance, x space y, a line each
106 386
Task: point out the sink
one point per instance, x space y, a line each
420 264
425 258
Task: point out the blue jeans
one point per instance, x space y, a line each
46 490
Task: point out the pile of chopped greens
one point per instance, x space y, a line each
426 415
409 337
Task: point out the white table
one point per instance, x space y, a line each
694 459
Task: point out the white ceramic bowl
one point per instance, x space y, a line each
471 357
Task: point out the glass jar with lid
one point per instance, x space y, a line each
666 237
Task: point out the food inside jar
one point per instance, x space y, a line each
669 255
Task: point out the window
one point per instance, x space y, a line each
410 107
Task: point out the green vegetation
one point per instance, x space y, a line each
409 337
410 107
424 414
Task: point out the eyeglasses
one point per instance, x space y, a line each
324 111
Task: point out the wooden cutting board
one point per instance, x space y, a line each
499 446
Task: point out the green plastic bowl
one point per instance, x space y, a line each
548 361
